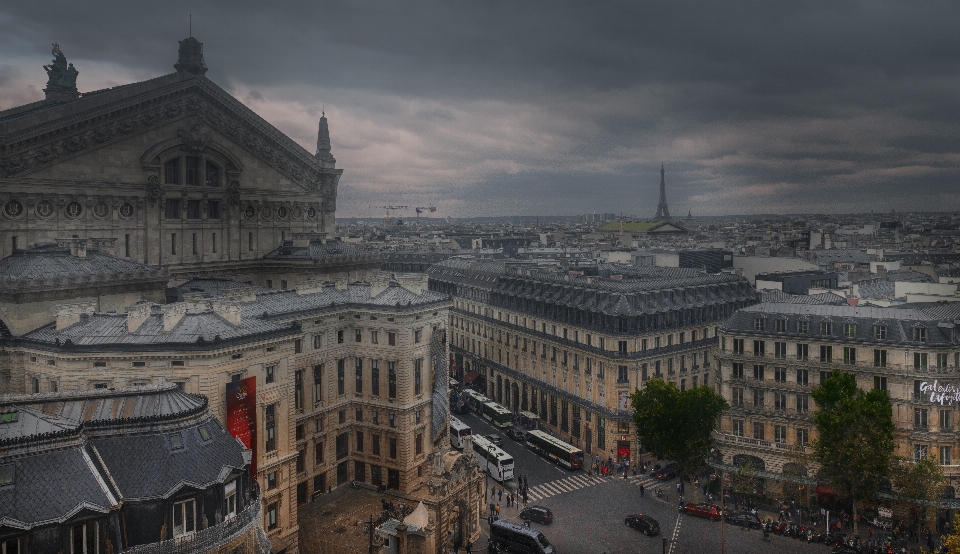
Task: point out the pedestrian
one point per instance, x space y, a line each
491 508
497 511
641 490
634 471
469 547
500 495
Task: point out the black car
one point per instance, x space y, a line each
643 523
665 473
496 439
744 519
539 514
515 434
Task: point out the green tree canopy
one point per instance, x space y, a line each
921 483
855 443
675 425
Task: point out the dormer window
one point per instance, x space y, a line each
920 334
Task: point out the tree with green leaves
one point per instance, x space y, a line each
675 425
744 478
855 444
919 483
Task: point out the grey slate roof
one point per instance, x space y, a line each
49 486
50 262
784 298
128 429
286 304
215 287
145 466
899 322
907 275
112 329
881 289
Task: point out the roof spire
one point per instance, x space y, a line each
323 141
190 56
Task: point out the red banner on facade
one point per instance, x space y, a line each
242 415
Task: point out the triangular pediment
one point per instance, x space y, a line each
47 135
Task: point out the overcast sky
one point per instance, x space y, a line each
561 107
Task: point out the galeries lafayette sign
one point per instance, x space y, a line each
940 393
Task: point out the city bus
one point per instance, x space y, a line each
476 401
458 430
555 449
492 459
497 414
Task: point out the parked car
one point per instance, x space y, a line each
643 523
744 519
515 434
710 511
539 514
665 473
495 439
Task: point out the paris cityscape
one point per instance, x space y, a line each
425 278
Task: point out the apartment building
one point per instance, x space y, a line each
572 347
772 355
327 384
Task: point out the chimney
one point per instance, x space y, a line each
414 282
341 284
308 286
172 314
243 294
137 314
379 284
68 314
228 309
195 302
77 246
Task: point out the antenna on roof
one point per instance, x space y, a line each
191 25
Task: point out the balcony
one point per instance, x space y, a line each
215 537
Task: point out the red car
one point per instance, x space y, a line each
703 510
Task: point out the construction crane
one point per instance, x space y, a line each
420 209
388 208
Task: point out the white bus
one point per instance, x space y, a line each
497 414
477 401
458 430
492 459
555 449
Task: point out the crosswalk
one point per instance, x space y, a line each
577 482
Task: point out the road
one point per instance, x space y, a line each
589 512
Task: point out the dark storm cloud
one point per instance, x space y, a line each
501 107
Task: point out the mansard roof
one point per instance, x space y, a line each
289 304
939 321
781 297
614 290
92 450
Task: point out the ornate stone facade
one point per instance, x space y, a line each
175 170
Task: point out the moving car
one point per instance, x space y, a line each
539 514
515 434
643 523
506 536
496 439
665 473
710 511
744 519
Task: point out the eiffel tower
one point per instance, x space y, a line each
663 212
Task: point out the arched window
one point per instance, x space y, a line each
192 171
